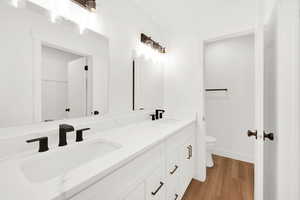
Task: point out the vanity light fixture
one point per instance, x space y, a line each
87 4
153 44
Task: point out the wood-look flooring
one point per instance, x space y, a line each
227 180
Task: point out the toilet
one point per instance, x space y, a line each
210 143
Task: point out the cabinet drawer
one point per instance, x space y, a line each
172 162
187 160
173 189
156 185
172 174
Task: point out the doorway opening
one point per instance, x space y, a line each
64 84
230 111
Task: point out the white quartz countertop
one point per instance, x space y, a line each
134 140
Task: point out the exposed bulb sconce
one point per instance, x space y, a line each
87 4
153 44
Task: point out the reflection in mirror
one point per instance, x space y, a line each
43 75
64 84
147 84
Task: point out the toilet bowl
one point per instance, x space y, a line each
210 143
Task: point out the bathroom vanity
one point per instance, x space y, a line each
150 160
161 171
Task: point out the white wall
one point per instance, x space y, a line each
55 82
229 64
269 6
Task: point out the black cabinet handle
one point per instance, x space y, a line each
157 190
172 172
190 152
176 196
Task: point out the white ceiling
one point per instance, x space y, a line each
199 15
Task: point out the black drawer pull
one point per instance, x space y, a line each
157 190
176 196
172 172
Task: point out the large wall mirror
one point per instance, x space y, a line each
148 84
65 84
50 71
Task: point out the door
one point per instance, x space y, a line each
187 162
281 109
77 88
259 105
270 112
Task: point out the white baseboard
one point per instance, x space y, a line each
233 155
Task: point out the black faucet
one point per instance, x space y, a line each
43 143
79 134
159 113
153 117
63 130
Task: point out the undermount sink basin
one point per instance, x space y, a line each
60 161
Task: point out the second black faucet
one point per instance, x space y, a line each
64 129
158 114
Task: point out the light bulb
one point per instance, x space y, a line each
15 3
53 16
81 29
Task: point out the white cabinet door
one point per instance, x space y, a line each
187 160
156 185
173 189
173 169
